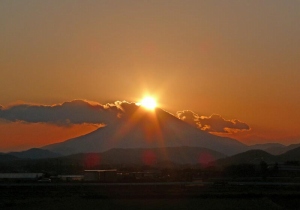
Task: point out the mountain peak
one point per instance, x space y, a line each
141 128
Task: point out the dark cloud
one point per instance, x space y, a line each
188 116
213 123
68 113
74 112
81 111
216 123
127 107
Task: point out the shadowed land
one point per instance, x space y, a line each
172 196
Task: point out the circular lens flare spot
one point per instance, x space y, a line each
92 161
149 158
205 159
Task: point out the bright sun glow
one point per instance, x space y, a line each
148 102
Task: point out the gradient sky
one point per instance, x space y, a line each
239 59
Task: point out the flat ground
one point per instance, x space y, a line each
77 196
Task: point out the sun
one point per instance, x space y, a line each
148 102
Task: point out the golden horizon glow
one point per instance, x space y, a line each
148 102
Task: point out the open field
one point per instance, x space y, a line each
128 196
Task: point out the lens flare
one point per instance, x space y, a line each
148 102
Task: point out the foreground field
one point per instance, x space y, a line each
76 196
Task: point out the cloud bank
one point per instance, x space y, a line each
67 113
214 123
81 111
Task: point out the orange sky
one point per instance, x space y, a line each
19 136
239 59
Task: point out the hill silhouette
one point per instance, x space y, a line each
34 153
291 155
248 157
7 158
274 148
256 156
152 156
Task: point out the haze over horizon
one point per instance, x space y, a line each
228 62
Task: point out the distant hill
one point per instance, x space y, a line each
146 129
249 157
34 153
291 155
7 158
274 148
266 146
146 156
158 157
256 156
291 147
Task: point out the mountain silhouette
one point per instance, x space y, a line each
147 156
248 157
256 156
7 158
291 155
274 148
34 153
141 128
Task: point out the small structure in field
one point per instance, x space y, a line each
16 177
71 178
100 175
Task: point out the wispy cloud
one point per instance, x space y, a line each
213 123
